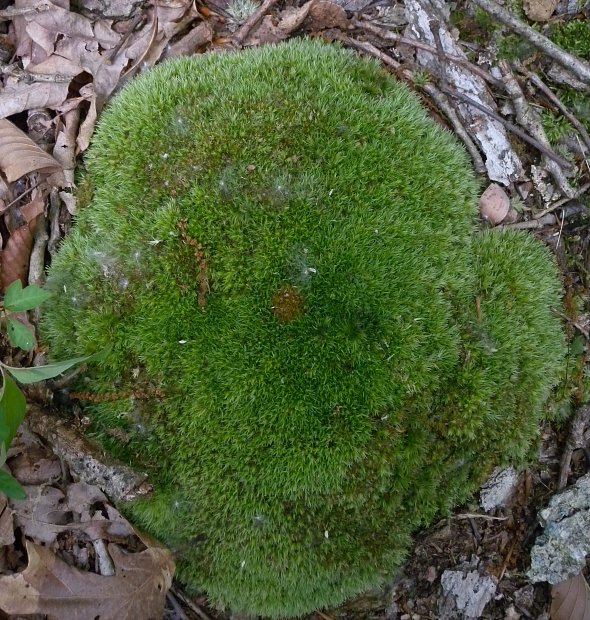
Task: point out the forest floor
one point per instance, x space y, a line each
61 63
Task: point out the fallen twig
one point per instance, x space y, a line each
192 606
562 201
475 515
446 108
244 30
511 127
580 68
398 38
575 441
533 126
85 459
556 101
547 220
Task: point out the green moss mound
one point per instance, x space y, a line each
313 351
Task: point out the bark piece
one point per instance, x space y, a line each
85 459
502 164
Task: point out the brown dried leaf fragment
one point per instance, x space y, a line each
20 97
327 15
15 257
539 10
6 525
19 155
571 599
50 586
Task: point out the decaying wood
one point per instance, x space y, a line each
424 16
85 459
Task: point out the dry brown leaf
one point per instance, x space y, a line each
34 207
571 599
327 15
64 150
15 257
18 97
19 155
291 18
539 10
6 525
50 586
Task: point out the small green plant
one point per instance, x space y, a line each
12 401
573 36
314 350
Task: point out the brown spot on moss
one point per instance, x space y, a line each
287 304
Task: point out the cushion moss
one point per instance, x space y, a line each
313 352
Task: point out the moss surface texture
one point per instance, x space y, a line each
314 351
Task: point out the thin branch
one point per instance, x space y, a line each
475 515
531 123
546 220
563 201
190 604
245 29
443 104
556 101
511 127
580 68
392 36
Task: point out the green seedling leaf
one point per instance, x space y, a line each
12 411
19 299
41 373
10 487
578 345
19 335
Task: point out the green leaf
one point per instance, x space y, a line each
578 345
12 410
19 299
41 373
19 335
10 487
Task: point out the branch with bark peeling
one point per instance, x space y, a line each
85 459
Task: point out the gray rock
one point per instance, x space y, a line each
499 488
560 551
466 591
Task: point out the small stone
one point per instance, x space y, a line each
499 489
494 204
431 574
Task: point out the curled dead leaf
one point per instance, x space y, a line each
19 155
50 586
15 257
571 599
6 525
